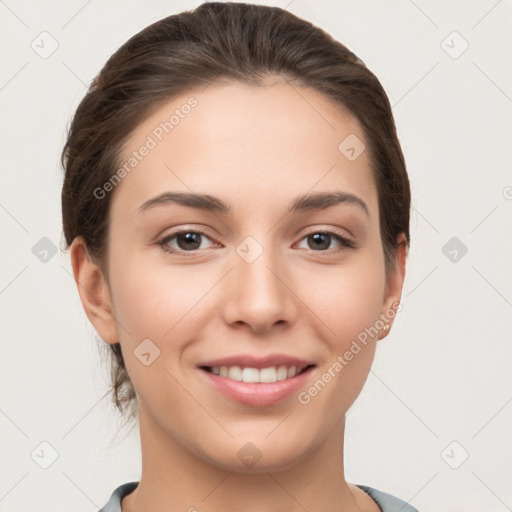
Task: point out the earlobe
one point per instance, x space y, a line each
94 291
394 286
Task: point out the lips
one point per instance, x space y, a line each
257 380
246 368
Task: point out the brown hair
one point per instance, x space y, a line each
216 41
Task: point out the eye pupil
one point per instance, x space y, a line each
194 238
189 241
319 243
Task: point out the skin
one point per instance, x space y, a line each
257 149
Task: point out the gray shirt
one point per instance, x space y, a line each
386 502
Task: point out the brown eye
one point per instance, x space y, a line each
183 241
319 241
189 241
322 241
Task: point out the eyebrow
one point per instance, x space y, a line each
307 202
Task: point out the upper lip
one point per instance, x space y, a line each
248 361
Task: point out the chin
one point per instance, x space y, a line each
259 456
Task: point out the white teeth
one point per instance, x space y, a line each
235 373
250 375
268 375
282 373
292 372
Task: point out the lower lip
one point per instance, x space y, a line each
258 394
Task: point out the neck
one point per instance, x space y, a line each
174 479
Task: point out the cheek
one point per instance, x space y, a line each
151 303
163 304
151 299
345 299
347 302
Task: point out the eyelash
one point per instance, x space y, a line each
163 242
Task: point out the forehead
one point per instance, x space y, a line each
243 142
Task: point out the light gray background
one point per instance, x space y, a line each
443 375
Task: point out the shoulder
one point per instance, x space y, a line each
387 502
114 503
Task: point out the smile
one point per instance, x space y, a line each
269 374
257 381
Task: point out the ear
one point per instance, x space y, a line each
394 286
94 291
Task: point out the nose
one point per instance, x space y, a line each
259 294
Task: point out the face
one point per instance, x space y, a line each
283 291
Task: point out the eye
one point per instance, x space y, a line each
321 240
190 241
186 241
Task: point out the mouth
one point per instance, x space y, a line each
257 381
248 374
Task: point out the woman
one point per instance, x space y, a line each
236 205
